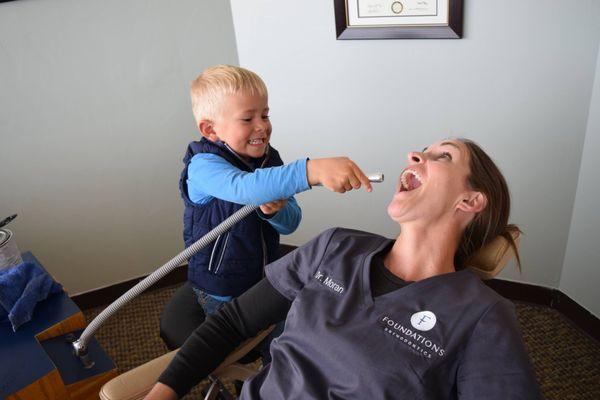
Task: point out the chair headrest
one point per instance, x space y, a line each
488 261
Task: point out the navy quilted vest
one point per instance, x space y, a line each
235 261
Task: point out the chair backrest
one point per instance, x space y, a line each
492 258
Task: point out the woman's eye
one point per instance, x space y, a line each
446 155
265 117
246 119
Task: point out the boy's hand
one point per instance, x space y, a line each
273 206
339 174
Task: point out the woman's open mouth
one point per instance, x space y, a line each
409 180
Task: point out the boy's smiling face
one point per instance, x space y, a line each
243 124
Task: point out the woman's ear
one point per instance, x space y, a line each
473 203
207 130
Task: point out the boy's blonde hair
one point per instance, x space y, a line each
211 87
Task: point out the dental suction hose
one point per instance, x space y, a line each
80 345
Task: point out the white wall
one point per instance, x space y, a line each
581 270
94 121
519 83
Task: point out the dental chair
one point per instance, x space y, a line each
136 383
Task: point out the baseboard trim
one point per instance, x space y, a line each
524 292
552 298
108 294
577 314
516 291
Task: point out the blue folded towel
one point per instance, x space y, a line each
21 287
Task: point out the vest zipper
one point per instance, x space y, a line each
262 236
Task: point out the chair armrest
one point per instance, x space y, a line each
242 350
137 382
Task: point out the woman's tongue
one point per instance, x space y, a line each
413 182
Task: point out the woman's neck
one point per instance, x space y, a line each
420 253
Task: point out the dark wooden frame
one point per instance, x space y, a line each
451 31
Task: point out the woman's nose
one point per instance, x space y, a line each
415 157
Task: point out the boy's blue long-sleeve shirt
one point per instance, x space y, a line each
210 176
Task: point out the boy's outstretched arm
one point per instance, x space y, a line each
339 174
212 176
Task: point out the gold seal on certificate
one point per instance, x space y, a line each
397 7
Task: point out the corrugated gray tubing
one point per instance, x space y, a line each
180 258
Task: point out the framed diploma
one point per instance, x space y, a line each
398 19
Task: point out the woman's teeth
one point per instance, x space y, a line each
410 180
256 141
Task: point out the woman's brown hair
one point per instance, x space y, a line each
492 221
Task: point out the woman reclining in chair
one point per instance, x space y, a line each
372 318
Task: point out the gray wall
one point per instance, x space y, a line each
519 83
94 121
581 270
94 118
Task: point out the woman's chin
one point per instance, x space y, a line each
395 212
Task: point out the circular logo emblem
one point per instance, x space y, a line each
423 320
397 7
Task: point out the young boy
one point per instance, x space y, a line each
231 166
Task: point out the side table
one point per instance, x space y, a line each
36 362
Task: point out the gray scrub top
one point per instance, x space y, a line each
445 337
